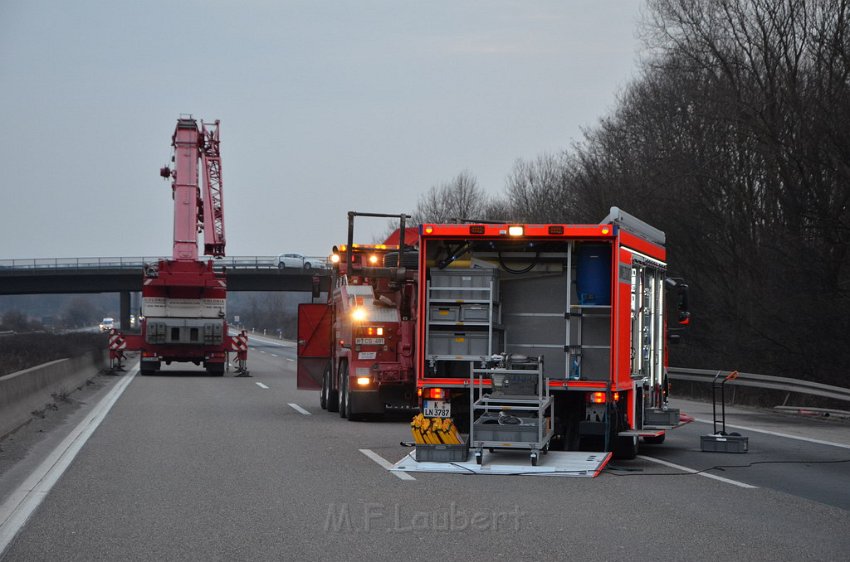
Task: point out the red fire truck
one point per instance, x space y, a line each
357 347
583 303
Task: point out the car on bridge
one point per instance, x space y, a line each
107 324
298 261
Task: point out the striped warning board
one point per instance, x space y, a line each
116 341
117 345
239 343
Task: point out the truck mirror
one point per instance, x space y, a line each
317 286
684 313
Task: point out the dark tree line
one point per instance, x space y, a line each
735 141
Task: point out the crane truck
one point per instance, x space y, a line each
357 347
583 303
184 298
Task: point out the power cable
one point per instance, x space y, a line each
720 467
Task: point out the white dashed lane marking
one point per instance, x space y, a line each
299 409
384 463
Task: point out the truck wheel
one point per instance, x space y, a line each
626 447
332 399
216 370
323 396
343 389
351 416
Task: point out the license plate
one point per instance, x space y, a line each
369 341
436 409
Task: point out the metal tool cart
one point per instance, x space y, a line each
515 412
719 441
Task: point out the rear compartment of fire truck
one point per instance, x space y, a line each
509 304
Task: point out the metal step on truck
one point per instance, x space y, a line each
559 330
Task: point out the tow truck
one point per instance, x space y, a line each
357 348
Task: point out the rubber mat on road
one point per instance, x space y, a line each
555 463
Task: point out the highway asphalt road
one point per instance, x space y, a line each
186 466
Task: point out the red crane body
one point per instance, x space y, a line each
184 298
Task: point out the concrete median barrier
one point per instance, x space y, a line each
33 389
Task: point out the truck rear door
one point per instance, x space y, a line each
314 344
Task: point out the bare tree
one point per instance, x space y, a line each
460 198
541 190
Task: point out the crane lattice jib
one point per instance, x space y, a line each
213 196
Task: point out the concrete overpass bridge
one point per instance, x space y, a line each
123 275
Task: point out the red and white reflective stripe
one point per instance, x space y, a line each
116 341
239 343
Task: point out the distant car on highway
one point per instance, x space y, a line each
107 324
295 261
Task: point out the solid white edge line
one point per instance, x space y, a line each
261 385
17 509
698 473
299 409
268 341
777 434
384 463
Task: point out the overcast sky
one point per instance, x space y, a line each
325 107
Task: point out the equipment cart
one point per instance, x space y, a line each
515 412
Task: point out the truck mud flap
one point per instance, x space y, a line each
309 373
314 344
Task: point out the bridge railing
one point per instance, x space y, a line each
76 263
137 262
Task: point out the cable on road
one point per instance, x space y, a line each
719 467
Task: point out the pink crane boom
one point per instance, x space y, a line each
197 207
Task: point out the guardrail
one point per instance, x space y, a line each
784 384
71 264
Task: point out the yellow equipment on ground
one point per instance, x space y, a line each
434 431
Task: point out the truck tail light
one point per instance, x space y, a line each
597 397
363 381
516 230
434 393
